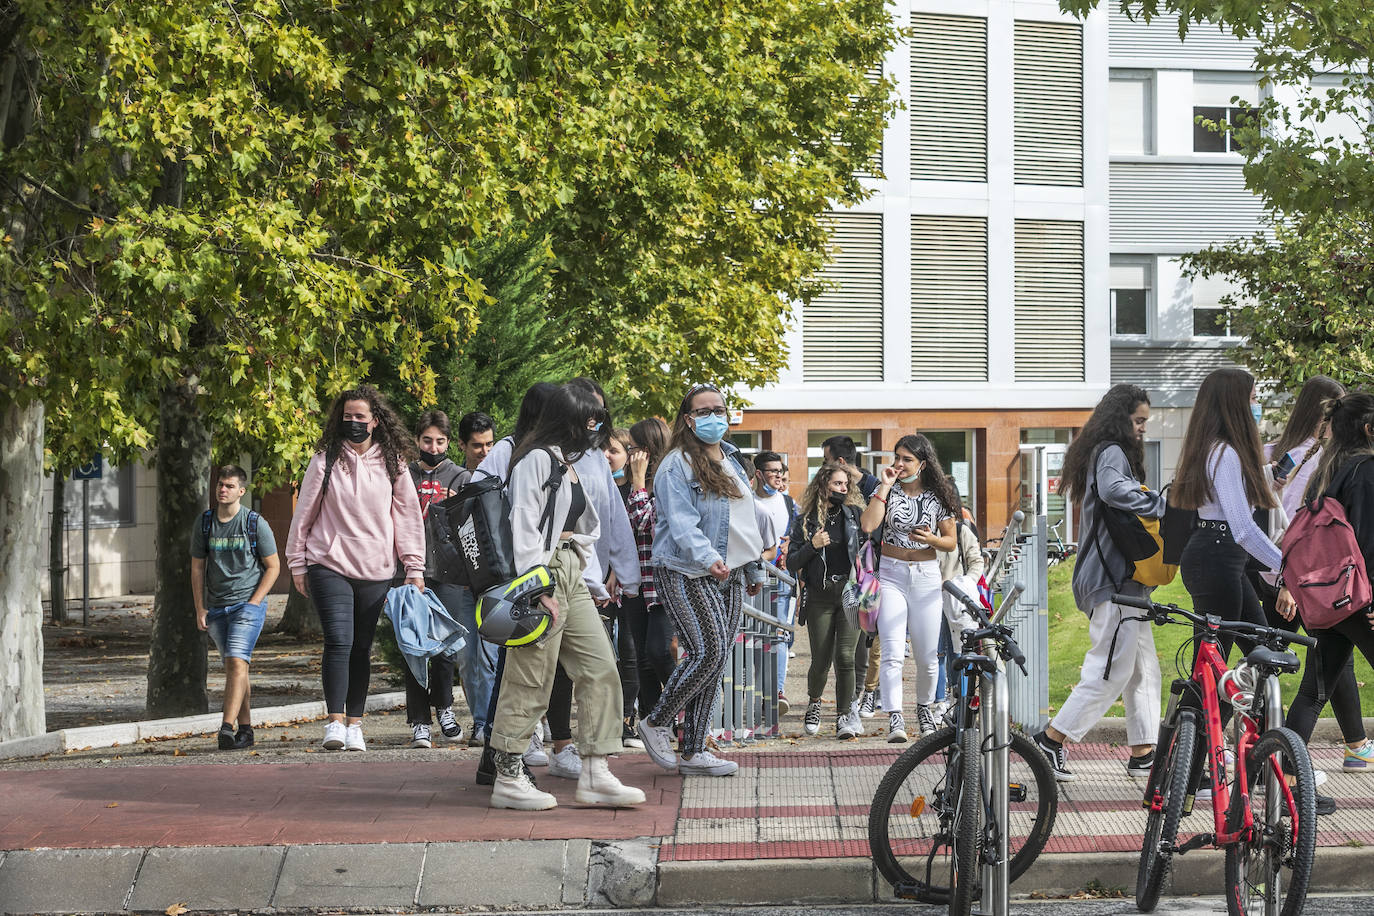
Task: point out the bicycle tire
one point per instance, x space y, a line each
968 822
905 845
1269 873
1161 827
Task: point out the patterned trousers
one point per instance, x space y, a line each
707 616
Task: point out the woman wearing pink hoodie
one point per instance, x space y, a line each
356 517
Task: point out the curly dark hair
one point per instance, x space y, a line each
1110 422
390 433
933 477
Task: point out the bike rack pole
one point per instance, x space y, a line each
995 727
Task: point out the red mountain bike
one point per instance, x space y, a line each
1265 811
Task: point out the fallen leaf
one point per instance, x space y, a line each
176 909
112 805
178 752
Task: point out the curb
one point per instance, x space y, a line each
124 733
1112 730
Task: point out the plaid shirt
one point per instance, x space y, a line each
643 516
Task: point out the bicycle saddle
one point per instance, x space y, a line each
1263 657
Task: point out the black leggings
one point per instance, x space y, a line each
1319 684
348 610
652 631
629 646
1333 654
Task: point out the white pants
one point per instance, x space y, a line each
911 605
1134 676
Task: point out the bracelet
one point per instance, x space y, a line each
879 498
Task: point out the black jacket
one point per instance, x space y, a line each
806 562
1353 488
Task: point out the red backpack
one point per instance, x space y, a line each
1323 566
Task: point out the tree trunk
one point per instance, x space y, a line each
177 656
21 602
57 557
300 618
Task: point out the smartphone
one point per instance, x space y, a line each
1284 467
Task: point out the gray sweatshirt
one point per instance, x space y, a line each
1093 583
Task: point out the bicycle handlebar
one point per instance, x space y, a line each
1160 614
988 630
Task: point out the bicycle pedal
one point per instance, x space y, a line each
1016 792
1196 842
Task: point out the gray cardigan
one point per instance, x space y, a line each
1116 485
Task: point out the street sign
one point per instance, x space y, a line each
91 470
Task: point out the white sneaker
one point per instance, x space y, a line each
597 785
333 735
1318 777
353 738
658 744
566 763
535 755
849 725
811 722
704 763
519 794
421 734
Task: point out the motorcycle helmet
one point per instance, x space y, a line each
510 614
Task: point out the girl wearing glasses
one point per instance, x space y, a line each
708 531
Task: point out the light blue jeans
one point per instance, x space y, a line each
235 628
782 609
477 658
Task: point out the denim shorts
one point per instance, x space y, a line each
235 628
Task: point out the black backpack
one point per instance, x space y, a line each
474 544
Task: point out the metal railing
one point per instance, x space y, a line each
748 704
1022 559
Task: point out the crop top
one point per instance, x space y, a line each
579 505
906 513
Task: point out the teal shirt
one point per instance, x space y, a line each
232 571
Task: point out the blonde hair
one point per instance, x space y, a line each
815 502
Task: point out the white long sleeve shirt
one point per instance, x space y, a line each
1228 503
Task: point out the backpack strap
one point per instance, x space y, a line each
205 520
328 470
253 532
959 545
1100 507
555 479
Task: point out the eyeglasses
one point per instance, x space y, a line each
772 472
701 413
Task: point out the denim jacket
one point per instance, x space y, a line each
693 526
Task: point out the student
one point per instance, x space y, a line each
356 516
436 479
1105 463
914 505
630 609
1346 473
826 538
567 428
476 434
233 566
708 532
653 632
770 496
964 563
842 450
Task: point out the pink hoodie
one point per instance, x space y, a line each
364 524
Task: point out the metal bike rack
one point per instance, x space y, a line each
747 708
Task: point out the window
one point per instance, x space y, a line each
112 499
1349 122
1210 317
1048 304
1132 296
842 327
1214 100
949 98
815 437
1048 102
1130 127
1153 472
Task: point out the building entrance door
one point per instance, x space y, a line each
1041 466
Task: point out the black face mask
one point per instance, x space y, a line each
837 499
356 430
432 461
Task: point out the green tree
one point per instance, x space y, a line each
1304 297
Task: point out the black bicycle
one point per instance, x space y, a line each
932 825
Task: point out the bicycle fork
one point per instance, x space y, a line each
994 726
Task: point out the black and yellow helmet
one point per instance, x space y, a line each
510 614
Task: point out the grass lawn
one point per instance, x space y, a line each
1069 637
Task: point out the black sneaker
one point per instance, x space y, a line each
629 733
1326 805
1058 757
226 737
1139 767
243 737
448 724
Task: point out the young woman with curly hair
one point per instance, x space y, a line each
825 540
914 505
356 517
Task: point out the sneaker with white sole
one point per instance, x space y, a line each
704 763
925 720
1057 756
597 785
1360 760
896 728
629 733
535 755
566 763
811 722
1139 767
849 725
334 735
449 724
868 707
658 744
353 738
420 735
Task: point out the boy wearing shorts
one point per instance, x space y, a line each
234 563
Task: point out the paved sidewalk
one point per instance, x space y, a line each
147 827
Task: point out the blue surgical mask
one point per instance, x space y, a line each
1257 412
597 427
769 491
618 474
711 429
912 479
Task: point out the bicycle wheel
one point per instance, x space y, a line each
967 768
1161 827
910 826
1268 874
